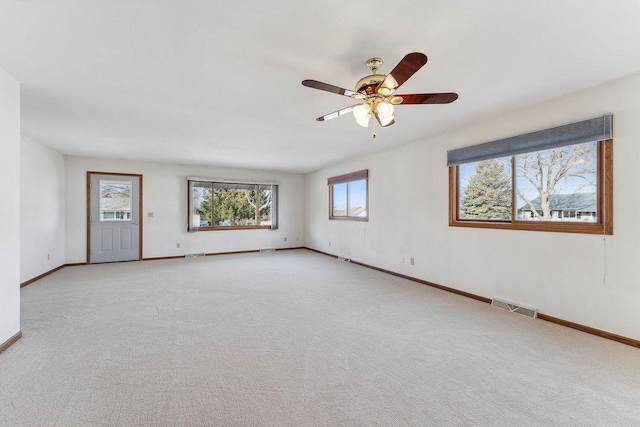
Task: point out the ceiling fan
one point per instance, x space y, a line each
376 92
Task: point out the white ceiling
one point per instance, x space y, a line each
218 83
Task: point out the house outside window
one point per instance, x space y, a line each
563 207
566 187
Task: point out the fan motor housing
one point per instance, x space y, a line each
368 84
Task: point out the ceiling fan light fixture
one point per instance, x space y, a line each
361 111
384 121
384 109
384 91
364 121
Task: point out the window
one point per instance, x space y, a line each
217 205
558 184
486 190
565 187
348 196
115 200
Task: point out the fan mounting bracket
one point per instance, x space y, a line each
374 64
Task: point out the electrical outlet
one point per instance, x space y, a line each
48 257
297 239
177 245
402 260
413 261
329 242
150 214
285 239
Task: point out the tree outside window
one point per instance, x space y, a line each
561 189
486 190
231 205
558 184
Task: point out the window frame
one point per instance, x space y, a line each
604 194
346 179
213 226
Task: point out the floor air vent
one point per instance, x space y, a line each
267 250
193 255
514 308
343 259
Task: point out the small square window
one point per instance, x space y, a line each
348 196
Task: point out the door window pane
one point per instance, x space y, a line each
115 200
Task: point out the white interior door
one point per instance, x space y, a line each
114 218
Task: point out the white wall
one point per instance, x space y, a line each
165 194
561 274
10 211
41 209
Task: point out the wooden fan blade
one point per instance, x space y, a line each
335 114
425 98
314 84
406 68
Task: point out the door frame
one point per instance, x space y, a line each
89 173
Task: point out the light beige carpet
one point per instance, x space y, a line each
295 338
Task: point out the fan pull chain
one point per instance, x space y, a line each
375 132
